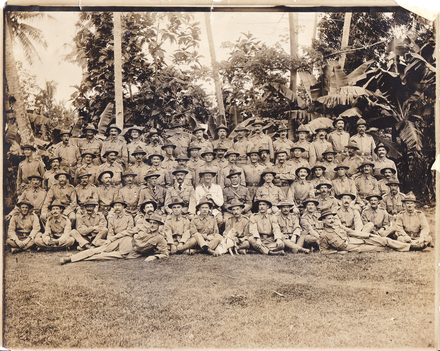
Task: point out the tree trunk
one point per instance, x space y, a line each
117 32
23 123
293 26
218 90
345 37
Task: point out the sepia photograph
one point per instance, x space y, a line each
219 177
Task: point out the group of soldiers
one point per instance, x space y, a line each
185 193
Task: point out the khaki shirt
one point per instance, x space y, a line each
187 194
379 217
289 225
241 225
58 228
65 194
177 226
118 224
204 225
339 140
366 185
393 203
85 223
413 224
21 227
264 224
350 218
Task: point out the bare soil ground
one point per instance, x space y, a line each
373 300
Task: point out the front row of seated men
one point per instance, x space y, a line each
155 234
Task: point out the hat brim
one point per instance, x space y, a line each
90 204
211 205
113 127
129 174
341 166
88 153
160 156
297 148
109 152
232 153
148 176
409 200
93 130
56 176
326 215
371 196
118 202
25 203
142 205
305 168
105 172
176 203
394 183
269 172
180 171
155 220
52 206
206 172
318 166
35 176
353 197
139 153
83 175
28 147
382 171
233 174
318 186
266 201
314 201
169 145
366 164
230 207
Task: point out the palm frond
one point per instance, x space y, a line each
410 135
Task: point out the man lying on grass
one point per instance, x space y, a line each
334 238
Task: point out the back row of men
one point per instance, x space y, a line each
323 173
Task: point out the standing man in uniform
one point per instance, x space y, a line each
364 141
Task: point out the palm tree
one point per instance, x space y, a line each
16 29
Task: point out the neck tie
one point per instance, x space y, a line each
180 186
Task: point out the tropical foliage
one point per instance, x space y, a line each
156 88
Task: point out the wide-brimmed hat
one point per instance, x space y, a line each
155 154
207 150
153 131
283 127
339 118
366 163
104 172
199 127
138 150
182 157
309 199
253 150
302 128
53 158
90 201
221 146
321 128
128 172
381 145
110 151
176 201
242 128
139 129
329 150
232 172
34 175
56 203
264 147
297 146
142 205
207 170
303 167
118 200
155 217
258 121
378 195
204 201
113 126
91 127
194 147
341 165
268 170
326 213
60 172
150 174
234 203
352 144
319 165
361 121
222 126
281 150
82 173
85 153
409 197
180 169
394 181
25 202
324 182
28 146
257 202
65 131
231 152
284 203
382 171
348 194
168 143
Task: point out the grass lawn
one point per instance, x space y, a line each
372 300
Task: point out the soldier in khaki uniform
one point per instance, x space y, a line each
252 172
23 228
412 226
290 227
58 228
265 233
176 228
237 226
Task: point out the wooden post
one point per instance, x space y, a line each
293 27
345 37
117 33
218 90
